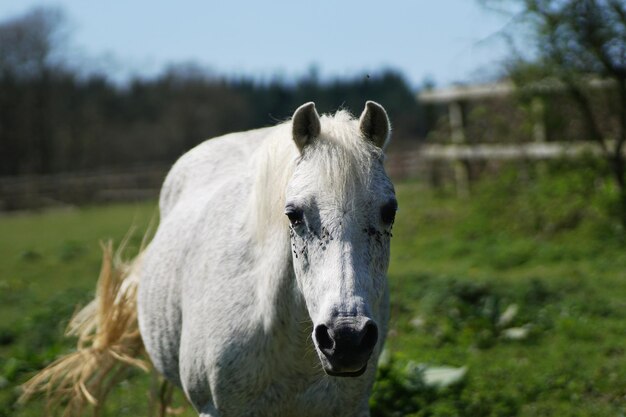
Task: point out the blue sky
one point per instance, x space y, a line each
445 40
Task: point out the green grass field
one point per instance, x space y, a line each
533 303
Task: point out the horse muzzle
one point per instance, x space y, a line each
346 344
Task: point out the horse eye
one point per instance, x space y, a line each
296 216
388 211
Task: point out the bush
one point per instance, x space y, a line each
400 390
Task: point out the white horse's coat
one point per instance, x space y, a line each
230 292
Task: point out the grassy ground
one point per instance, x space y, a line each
454 274
465 277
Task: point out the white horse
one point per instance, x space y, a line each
266 280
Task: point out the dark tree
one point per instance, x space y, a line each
581 45
30 49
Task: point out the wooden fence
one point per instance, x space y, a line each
404 160
460 152
138 183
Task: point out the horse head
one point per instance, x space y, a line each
341 207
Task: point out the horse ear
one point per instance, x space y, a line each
306 125
374 124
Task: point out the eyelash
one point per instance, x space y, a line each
387 213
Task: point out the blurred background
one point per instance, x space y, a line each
508 270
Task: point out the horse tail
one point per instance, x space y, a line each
108 345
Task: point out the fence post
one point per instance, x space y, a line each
537 114
537 108
461 168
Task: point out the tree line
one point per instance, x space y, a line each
54 118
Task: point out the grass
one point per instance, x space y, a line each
457 268
458 277
49 264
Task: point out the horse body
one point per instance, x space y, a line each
249 314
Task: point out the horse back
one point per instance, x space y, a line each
211 162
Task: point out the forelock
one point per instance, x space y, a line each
341 159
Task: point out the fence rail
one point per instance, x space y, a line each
139 183
28 192
531 150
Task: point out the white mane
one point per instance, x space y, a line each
343 158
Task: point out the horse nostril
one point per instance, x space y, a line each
324 341
369 336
